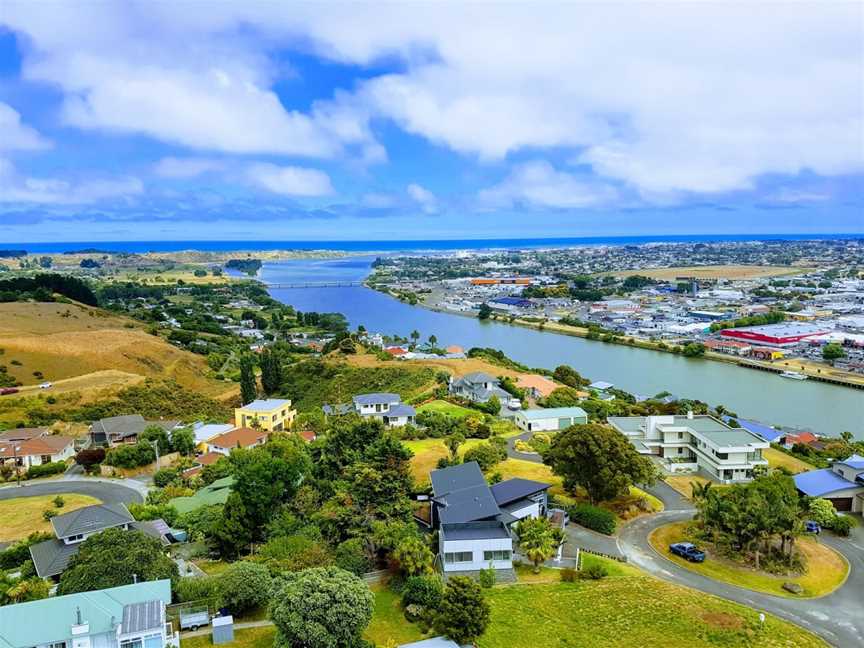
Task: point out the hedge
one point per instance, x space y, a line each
42 470
592 517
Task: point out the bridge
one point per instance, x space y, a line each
314 284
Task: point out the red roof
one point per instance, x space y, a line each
801 437
308 435
396 351
239 438
208 458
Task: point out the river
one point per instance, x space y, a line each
764 396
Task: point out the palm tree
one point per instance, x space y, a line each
537 540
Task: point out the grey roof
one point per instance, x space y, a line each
474 531
479 377
400 410
142 616
127 425
462 494
153 530
90 519
514 489
51 557
339 409
378 397
453 478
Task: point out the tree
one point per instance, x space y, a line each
322 607
248 384
116 557
183 440
414 557
538 540
569 376
453 442
599 459
271 372
822 511
244 586
833 351
487 455
464 612
415 335
485 311
158 434
231 535
693 350
433 340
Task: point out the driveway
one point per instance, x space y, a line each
108 491
838 617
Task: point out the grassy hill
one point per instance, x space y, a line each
95 349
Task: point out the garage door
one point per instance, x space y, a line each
841 503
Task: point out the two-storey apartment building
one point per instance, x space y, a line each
271 415
689 443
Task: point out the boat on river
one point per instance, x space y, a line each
793 375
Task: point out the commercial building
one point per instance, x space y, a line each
695 443
779 335
271 415
549 419
129 616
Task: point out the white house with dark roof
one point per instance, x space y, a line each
475 521
695 443
478 387
385 407
842 484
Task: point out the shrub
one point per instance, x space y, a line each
569 575
822 511
47 514
58 502
12 557
425 591
43 470
842 525
164 476
351 556
487 578
196 588
244 586
131 456
594 571
593 517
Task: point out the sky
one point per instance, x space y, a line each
322 121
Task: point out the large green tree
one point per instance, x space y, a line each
538 540
248 383
464 612
323 607
116 557
244 586
598 459
271 372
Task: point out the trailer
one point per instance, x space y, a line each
192 619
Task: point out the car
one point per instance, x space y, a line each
811 526
688 551
8 390
45 385
514 404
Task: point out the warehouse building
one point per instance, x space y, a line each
549 419
779 335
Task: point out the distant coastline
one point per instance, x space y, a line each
407 245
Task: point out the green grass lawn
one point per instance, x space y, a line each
443 407
389 626
21 516
212 567
248 638
826 569
777 459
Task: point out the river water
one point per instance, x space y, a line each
764 396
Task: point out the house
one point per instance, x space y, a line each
206 459
272 415
478 387
536 386
475 521
243 437
695 443
129 616
206 431
124 429
51 557
804 438
22 434
770 434
215 493
382 406
551 419
842 484
37 450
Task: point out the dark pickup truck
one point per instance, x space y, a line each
687 551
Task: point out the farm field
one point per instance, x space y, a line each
21 516
713 272
826 569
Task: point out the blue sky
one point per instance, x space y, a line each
125 121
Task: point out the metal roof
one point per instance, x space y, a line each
552 412
90 519
817 483
474 531
400 409
514 489
766 432
142 616
266 405
50 620
466 475
51 557
376 398
467 505
855 461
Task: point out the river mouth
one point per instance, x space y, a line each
759 395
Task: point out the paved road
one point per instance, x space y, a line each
838 617
108 491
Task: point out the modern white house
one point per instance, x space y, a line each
549 420
129 616
842 484
695 443
385 407
33 449
478 387
475 521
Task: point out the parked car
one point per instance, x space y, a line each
811 526
45 385
688 551
514 404
8 390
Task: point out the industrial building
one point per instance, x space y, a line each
780 335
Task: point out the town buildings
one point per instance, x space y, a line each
695 443
129 616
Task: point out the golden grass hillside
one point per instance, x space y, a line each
70 341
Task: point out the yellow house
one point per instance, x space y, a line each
270 415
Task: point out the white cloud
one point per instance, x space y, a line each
423 197
18 188
172 167
378 201
16 136
289 180
538 184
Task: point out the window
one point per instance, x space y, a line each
75 538
46 459
496 555
458 557
131 643
59 644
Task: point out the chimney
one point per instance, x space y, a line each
77 616
689 415
135 576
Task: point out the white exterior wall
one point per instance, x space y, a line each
531 510
476 547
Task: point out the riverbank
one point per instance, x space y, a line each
813 371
